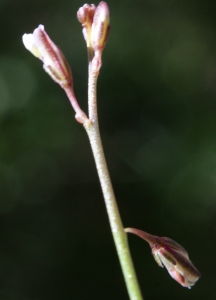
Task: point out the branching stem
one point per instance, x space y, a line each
119 235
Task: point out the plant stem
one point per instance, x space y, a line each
149 238
80 115
119 235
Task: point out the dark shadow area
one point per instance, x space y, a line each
157 111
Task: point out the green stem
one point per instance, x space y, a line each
119 235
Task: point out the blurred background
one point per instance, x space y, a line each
157 111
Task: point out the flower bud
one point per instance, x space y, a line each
54 62
85 16
100 27
173 256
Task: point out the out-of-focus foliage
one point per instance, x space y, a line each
157 110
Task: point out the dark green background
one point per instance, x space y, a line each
157 111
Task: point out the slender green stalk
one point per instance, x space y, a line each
120 237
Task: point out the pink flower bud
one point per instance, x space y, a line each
85 16
173 256
54 62
86 13
100 27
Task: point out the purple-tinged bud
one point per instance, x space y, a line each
54 62
100 27
86 13
85 16
99 33
173 256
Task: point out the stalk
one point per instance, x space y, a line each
119 235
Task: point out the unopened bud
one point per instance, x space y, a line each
100 27
85 16
173 256
54 62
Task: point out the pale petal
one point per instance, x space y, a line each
29 43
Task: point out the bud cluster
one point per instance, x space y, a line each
96 24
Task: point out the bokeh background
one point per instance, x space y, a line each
157 111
